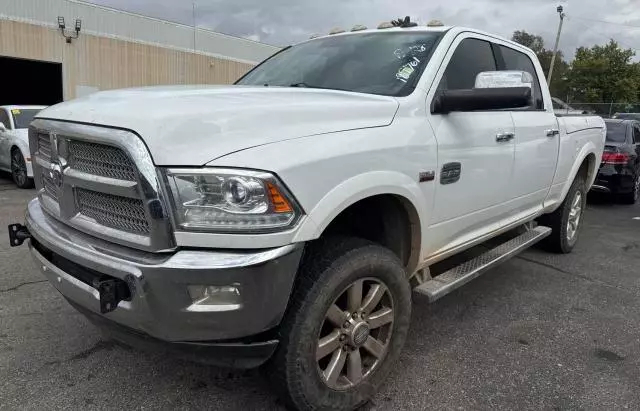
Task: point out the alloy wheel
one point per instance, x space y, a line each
575 214
355 334
18 168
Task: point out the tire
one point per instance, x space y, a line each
330 269
19 170
632 197
562 220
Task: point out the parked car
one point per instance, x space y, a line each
620 169
627 116
14 142
288 217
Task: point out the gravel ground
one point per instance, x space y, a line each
539 332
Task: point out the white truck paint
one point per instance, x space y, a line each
334 155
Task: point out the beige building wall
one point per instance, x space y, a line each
92 63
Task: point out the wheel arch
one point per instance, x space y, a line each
390 195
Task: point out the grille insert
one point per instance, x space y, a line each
101 160
44 146
121 213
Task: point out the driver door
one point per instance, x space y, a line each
479 146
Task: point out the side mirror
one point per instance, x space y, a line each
481 99
493 90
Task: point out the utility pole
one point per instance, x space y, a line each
560 10
193 9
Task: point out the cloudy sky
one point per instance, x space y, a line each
283 22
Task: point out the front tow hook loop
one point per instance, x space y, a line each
17 234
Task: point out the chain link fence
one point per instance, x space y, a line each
606 110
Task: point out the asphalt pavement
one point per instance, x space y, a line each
542 331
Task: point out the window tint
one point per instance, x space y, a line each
616 132
386 63
4 118
470 58
515 60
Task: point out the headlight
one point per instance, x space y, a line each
221 200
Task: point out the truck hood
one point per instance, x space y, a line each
192 125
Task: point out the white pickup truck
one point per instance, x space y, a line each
285 220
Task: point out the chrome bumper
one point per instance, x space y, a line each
158 282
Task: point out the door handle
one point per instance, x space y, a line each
504 137
553 132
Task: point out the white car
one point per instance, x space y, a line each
15 155
286 218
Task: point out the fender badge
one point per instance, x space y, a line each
426 176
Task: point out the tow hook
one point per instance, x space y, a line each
17 234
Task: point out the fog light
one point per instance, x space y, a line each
214 298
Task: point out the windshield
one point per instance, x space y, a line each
616 132
376 63
23 117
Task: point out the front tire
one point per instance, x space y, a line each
19 170
345 326
566 220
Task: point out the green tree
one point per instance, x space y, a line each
605 74
534 42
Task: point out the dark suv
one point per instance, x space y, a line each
619 172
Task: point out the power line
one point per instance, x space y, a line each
631 26
607 36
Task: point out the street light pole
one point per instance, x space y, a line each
560 10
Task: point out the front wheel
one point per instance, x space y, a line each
345 327
19 170
566 220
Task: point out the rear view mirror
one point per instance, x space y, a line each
481 99
493 90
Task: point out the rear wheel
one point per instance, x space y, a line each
19 170
632 197
345 327
566 220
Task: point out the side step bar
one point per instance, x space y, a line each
456 277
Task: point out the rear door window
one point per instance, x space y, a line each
617 132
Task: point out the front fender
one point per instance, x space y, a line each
358 188
24 149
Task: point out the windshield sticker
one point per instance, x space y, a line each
15 112
411 51
406 71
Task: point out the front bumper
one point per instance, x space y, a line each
158 304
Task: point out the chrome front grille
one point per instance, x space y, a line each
121 213
100 160
49 187
101 181
44 145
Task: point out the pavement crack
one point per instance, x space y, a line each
580 276
14 288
